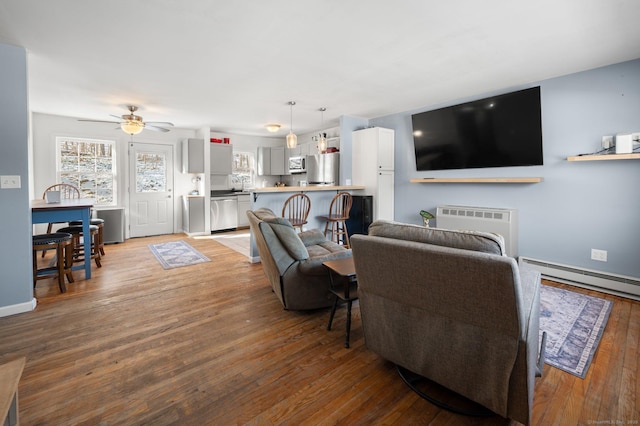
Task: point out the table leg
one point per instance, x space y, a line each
86 236
346 343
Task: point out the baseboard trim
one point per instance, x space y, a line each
606 282
19 308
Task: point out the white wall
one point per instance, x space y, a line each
16 280
580 205
47 127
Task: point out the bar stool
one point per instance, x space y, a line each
100 224
62 243
78 247
296 210
337 217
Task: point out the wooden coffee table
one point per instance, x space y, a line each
344 270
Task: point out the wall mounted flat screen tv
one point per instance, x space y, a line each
499 131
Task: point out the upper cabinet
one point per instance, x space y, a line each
301 150
264 161
375 147
221 156
193 156
278 161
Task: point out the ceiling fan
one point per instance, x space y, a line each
133 124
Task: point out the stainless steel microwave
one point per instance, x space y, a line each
297 165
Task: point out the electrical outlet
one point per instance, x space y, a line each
9 182
599 255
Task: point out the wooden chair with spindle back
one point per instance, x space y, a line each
66 191
296 210
337 218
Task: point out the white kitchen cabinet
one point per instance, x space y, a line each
373 167
305 149
192 214
244 204
221 157
193 156
264 161
278 161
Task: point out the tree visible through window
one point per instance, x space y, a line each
90 165
243 172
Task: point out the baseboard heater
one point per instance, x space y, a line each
498 221
605 282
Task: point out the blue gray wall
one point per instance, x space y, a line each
16 285
580 205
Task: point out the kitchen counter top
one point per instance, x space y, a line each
308 188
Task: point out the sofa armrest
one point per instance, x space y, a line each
313 265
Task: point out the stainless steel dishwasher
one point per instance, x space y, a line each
224 211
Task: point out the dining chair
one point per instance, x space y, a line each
67 191
337 218
296 210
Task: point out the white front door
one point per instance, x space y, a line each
150 189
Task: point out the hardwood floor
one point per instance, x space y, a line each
210 344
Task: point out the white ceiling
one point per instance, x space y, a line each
233 65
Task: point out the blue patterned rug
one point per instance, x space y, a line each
574 323
176 254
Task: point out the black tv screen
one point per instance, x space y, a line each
499 131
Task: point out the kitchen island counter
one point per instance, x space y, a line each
320 195
308 188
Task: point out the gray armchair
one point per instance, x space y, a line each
452 307
293 261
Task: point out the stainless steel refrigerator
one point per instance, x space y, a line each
323 169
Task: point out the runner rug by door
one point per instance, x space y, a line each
574 323
176 254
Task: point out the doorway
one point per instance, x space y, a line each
151 201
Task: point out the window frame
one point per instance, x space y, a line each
250 171
96 175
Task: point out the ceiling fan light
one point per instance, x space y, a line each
273 127
132 127
292 140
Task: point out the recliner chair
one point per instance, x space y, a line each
293 261
452 307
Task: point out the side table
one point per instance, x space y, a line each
10 374
348 291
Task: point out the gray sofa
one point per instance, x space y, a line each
452 307
293 261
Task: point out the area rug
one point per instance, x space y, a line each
176 254
574 324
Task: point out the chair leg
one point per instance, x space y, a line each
96 249
61 263
35 267
49 227
345 235
68 261
101 239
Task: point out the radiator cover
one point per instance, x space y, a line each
113 230
486 219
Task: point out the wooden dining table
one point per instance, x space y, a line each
64 211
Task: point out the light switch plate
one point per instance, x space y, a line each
9 182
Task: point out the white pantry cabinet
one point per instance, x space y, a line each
373 167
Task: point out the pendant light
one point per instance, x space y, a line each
292 139
322 141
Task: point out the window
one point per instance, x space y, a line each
90 165
243 173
